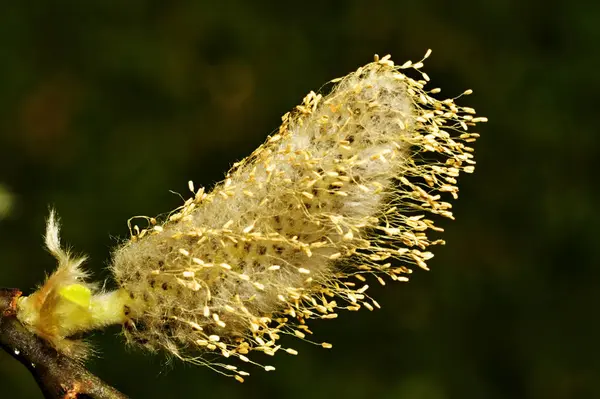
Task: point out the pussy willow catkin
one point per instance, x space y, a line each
342 191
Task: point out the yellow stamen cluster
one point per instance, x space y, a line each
341 191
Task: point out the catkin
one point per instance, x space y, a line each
343 190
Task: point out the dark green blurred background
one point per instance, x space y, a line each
105 107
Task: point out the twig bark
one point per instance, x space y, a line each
58 376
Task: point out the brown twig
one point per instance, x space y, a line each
58 376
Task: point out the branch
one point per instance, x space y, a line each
58 376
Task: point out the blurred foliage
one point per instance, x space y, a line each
6 202
105 106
